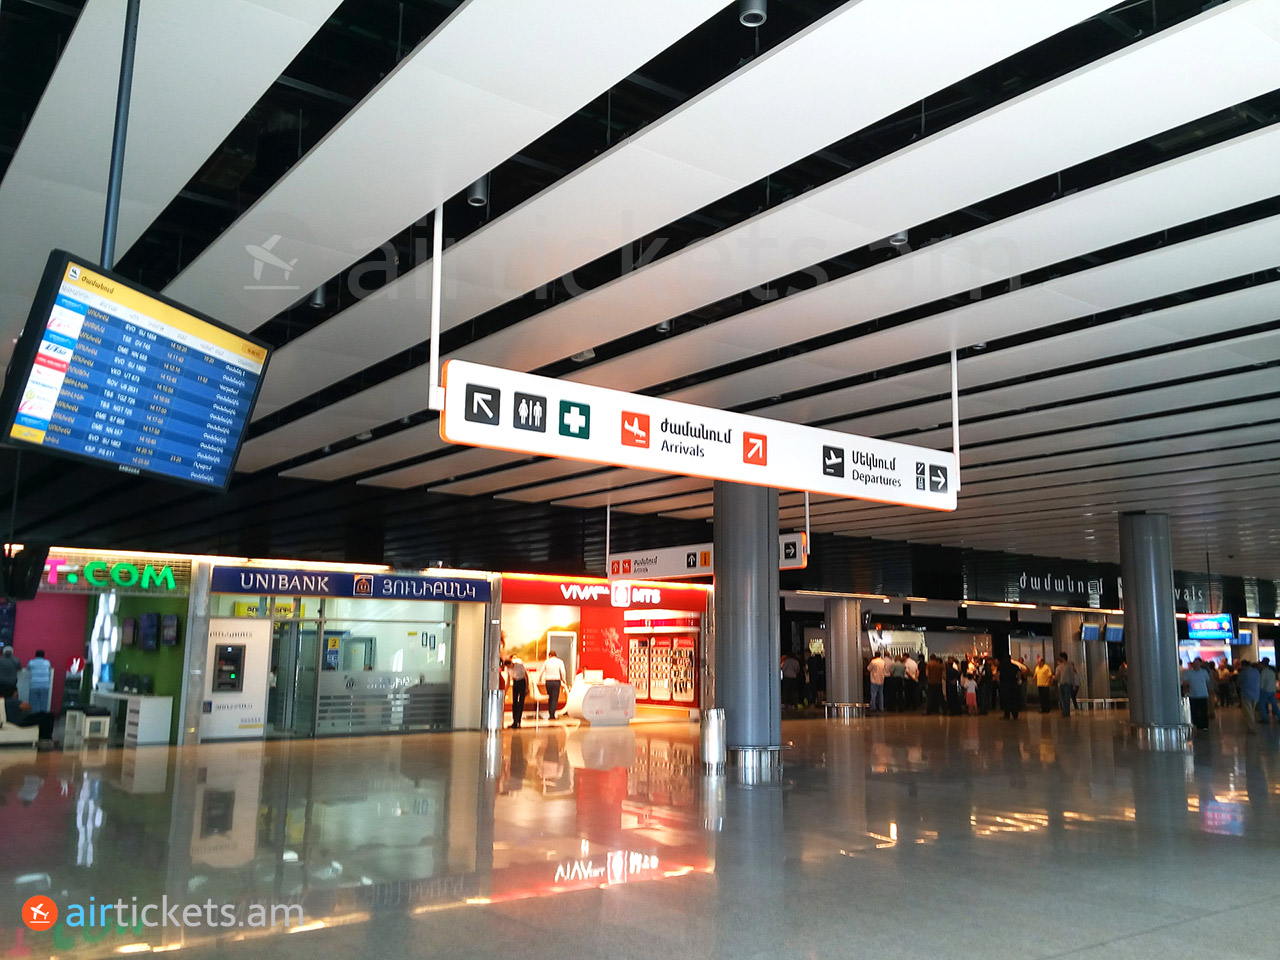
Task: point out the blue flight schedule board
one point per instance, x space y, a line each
109 372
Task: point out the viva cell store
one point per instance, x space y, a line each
647 634
312 651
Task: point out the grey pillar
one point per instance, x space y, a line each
844 651
1155 689
195 655
748 645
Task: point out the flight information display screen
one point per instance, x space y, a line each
109 372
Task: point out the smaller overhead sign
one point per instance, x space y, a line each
696 560
508 410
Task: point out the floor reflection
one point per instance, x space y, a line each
611 841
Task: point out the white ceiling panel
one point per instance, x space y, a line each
1204 360
696 154
413 442
1101 107
643 491
470 460
568 488
221 54
1230 253
666 503
471 95
514 477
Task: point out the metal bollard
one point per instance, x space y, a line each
493 711
714 749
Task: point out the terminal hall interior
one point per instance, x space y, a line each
503 476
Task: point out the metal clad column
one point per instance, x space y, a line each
844 655
748 646
1155 689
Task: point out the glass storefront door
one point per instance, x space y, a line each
295 670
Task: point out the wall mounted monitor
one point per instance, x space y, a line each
1090 631
1210 626
169 630
111 373
1245 638
128 632
1114 633
149 631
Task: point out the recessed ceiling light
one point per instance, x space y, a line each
364 435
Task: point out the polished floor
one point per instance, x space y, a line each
889 837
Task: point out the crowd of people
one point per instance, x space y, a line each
975 685
804 682
1249 685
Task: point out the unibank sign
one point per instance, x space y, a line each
261 582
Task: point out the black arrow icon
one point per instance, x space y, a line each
482 404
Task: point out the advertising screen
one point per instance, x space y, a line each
1210 626
109 372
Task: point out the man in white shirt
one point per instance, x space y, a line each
876 668
553 675
913 683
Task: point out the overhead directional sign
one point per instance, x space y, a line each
508 410
695 560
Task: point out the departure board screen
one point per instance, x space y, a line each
112 373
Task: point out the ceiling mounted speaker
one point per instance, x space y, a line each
478 192
899 239
317 298
753 13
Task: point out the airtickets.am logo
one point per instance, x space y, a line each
39 913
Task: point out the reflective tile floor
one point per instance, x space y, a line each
889 838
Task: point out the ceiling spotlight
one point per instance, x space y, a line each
364 435
899 239
584 355
664 326
478 192
317 298
753 13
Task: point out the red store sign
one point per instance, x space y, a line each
591 592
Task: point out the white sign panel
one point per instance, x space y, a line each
696 560
238 714
507 410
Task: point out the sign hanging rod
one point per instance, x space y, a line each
435 392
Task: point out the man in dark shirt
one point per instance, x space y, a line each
1010 676
20 715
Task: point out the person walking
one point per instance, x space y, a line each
912 682
986 687
40 683
934 673
1197 682
1267 692
1010 679
1044 684
553 675
1249 686
875 673
1065 675
895 684
9 667
518 679
955 701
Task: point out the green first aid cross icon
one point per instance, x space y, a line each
575 420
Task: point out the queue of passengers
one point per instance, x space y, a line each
975 685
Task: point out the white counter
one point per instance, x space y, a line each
146 718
